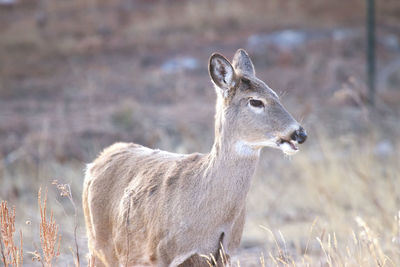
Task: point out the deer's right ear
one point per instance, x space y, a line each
222 73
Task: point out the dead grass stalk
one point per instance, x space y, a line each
49 238
10 252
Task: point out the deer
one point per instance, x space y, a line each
148 207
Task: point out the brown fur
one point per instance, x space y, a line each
147 207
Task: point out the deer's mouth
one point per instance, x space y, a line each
289 147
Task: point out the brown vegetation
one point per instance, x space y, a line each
49 237
11 253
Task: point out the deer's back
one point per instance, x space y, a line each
131 192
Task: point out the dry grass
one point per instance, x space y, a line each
362 248
65 191
49 238
222 259
12 255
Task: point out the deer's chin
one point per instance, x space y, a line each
288 147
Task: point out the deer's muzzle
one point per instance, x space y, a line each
299 135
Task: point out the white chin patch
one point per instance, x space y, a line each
288 148
245 149
251 149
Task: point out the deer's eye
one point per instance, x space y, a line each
256 103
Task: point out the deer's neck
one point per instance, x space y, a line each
232 160
231 164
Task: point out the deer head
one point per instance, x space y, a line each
249 113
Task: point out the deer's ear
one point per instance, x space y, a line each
242 63
221 72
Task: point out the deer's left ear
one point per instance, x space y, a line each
222 73
242 63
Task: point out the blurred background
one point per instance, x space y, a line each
79 75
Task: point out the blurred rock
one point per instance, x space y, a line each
180 64
7 2
390 41
384 149
288 40
344 34
284 40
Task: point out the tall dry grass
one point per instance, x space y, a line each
364 247
11 253
49 238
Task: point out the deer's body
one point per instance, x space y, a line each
147 207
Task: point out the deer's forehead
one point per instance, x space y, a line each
256 87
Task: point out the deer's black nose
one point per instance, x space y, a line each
299 135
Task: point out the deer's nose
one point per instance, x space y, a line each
299 135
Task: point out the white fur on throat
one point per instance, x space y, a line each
244 149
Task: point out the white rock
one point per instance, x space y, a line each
180 64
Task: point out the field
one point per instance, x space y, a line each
77 76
